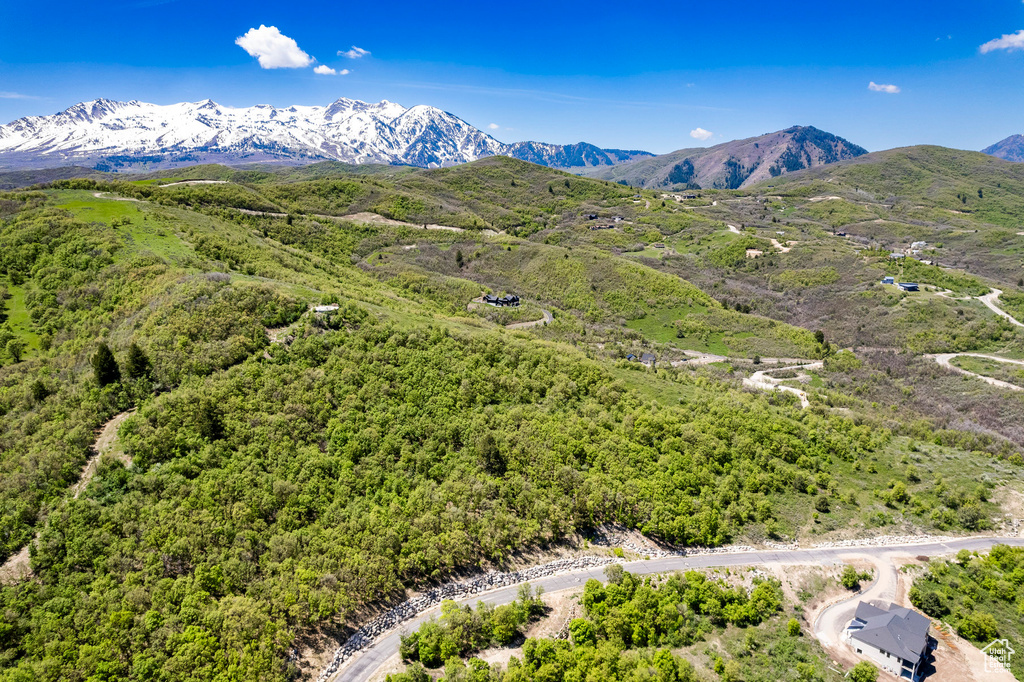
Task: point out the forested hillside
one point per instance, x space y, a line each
286 472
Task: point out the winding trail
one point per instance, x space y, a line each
775 242
362 666
548 317
944 359
990 299
764 381
195 182
17 567
106 195
367 218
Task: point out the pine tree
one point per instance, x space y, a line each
137 365
105 366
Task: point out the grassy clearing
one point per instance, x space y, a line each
143 229
19 319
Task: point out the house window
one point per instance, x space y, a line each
859 651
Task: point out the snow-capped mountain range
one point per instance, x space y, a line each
125 135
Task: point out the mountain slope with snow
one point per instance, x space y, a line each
124 135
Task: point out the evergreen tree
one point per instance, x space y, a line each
105 366
137 365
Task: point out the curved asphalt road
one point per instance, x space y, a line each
363 665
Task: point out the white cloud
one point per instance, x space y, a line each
15 95
354 53
883 87
1009 42
325 70
701 134
493 126
273 49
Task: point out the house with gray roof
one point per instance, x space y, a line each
896 639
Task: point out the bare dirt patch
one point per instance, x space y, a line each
563 607
1011 501
105 443
16 568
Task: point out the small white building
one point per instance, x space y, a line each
895 639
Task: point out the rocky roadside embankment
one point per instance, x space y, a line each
365 636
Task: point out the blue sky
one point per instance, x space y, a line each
615 74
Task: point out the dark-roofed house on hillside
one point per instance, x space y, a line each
907 286
647 359
896 639
510 301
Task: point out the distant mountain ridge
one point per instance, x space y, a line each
1010 149
127 135
736 164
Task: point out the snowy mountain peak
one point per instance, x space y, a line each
111 135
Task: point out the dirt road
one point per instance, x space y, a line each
764 381
945 358
548 317
829 625
17 567
106 195
195 182
990 299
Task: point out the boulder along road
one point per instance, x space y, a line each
362 665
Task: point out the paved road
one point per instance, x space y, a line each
829 625
362 666
944 360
